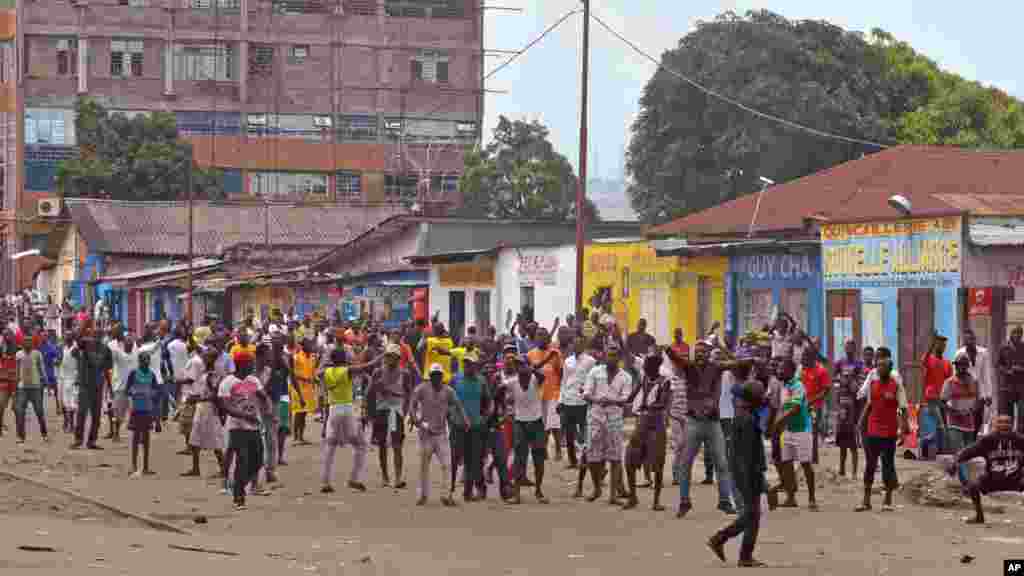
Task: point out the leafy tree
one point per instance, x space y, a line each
137 158
519 175
690 151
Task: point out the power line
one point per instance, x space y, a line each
726 99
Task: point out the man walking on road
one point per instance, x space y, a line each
607 390
430 404
391 387
748 463
93 363
342 427
474 395
885 414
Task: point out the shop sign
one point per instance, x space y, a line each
777 266
922 253
979 302
466 274
661 278
603 262
538 269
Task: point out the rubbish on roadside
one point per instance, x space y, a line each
28 548
966 559
201 549
200 519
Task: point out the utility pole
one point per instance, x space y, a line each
581 185
191 287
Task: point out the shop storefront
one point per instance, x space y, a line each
386 298
894 284
462 293
994 278
765 282
540 282
631 281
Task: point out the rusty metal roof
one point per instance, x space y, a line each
936 179
161 228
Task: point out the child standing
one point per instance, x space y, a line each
143 390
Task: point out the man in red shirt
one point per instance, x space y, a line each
679 346
936 370
817 384
885 414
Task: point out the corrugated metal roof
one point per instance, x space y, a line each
997 231
673 246
476 236
161 228
936 179
147 272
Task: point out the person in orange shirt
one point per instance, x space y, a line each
936 370
551 389
817 384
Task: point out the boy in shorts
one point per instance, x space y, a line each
143 390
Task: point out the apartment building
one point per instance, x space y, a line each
355 101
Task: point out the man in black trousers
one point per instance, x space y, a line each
93 362
748 465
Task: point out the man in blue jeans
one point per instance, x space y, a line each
704 382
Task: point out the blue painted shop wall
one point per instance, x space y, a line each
164 304
401 311
777 271
946 316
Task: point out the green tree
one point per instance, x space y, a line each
519 175
137 158
690 151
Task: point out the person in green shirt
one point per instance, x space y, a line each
797 443
342 427
474 395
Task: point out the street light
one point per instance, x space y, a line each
900 203
765 183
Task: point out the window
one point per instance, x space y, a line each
430 66
348 184
397 187
287 184
755 310
228 5
393 127
299 54
133 3
205 62
261 60
424 8
126 58
358 128
302 6
67 57
447 183
49 126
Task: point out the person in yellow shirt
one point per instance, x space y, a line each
304 364
438 350
342 424
243 346
552 386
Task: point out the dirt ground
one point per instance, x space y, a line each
297 530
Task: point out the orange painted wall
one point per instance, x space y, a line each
287 154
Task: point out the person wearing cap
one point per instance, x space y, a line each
431 402
607 390
390 392
960 402
474 394
143 390
342 424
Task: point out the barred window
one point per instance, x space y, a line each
348 184
357 128
126 58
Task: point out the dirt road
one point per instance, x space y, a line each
297 530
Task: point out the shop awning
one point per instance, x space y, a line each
997 231
149 274
679 247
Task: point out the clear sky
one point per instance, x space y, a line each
978 41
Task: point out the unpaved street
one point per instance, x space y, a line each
297 530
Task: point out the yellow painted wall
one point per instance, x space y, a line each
606 265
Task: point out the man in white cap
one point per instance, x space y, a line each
390 392
430 403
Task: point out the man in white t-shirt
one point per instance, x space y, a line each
530 437
607 390
125 358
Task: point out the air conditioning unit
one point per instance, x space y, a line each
394 125
464 127
257 120
48 207
322 121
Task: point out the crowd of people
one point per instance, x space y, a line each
489 403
